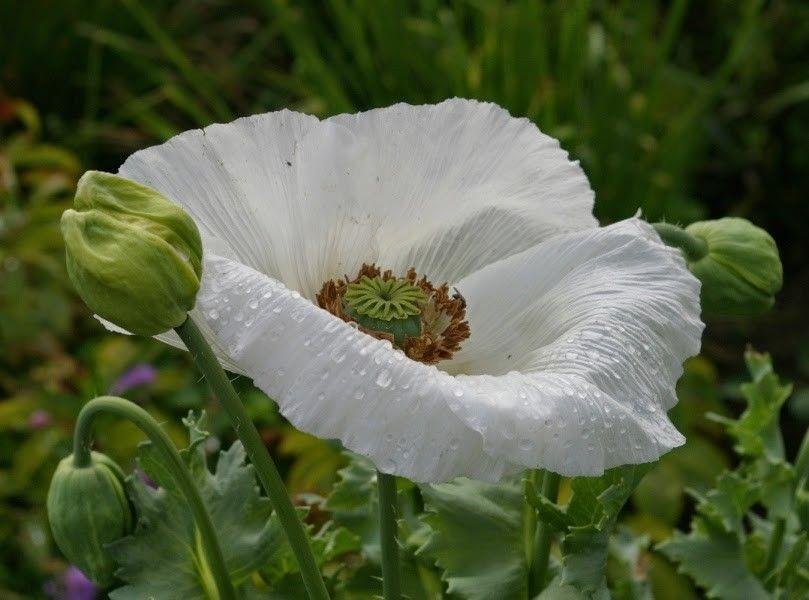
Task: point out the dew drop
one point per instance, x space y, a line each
383 379
253 304
359 394
454 443
214 314
526 445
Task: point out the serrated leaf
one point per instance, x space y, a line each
757 431
715 559
594 510
729 501
353 504
163 558
477 538
328 543
627 566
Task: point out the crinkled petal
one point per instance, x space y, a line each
444 188
237 181
447 188
577 345
581 402
335 382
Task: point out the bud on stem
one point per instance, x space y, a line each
134 257
737 263
87 511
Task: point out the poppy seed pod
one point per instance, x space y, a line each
134 256
87 509
741 271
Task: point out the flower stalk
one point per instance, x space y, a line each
391 584
266 470
693 248
216 568
549 486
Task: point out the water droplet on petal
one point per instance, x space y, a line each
383 379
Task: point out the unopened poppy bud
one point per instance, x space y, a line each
737 263
134 256
88 509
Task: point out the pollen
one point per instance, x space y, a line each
425 321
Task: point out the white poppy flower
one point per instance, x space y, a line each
576 334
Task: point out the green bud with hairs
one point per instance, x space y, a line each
87 509
134 256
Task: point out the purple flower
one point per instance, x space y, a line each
39 419
142 374
71 585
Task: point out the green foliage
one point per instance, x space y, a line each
163 558
586 524
476 538
730 551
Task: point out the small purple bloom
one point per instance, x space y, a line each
39 419
142 374
71 585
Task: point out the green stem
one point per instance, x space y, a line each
387 533
266 470
802 461
175 465
692 247
544 535
776 541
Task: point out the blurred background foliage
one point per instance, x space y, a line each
683 109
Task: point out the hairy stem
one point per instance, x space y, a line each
176 467
265 468
387 534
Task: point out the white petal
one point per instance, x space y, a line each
447 188
337 383
171 338
237 181
581 340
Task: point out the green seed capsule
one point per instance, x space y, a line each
87 509
134 256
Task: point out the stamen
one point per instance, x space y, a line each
426 322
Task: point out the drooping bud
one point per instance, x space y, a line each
88 509
134 256
737 263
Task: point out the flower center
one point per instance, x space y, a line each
425 321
